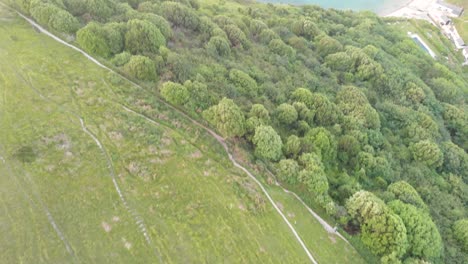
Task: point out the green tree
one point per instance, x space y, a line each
114 33
267 143
320 141
286 114
293 146
455 159
404 192
142 37
92 38
180 15
64 22
218 46
460 230
267 35
121 59
385 234
326 112
317 184
306 27
288 170
277 46
236 36
244 83
175 93
304 96
427 153
259 111
303 112
227 117
199 96
381 230
423 237
354 105
328 45
141 67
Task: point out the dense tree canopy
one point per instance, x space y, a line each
227 117
460 228
175 93
382 231
267 143
423 237
141 67
142 36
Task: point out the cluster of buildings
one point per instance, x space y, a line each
439 13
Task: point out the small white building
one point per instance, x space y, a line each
465 53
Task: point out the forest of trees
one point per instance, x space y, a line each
341 103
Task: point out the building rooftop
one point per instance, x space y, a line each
455 9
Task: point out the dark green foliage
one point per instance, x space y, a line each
244 83
404 192
180 15
423 237
460 228
327 45
92 38
114 33
455 159
277 46
227 118
218 46
199 96
286 114
141 67
428 153
64 22
267 143
142 36
288 170
121 58
314 178
236 36
381 230
292 146
358 112
306 27
175 93
267 35
157 21
320 141
54 17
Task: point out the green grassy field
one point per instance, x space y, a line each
181 199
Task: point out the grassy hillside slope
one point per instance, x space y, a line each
181 199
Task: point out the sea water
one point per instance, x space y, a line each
381 7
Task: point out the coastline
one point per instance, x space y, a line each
387 8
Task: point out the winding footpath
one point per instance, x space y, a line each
220 140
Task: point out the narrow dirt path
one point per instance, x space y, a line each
215 135
138 219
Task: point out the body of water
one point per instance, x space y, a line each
381 7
